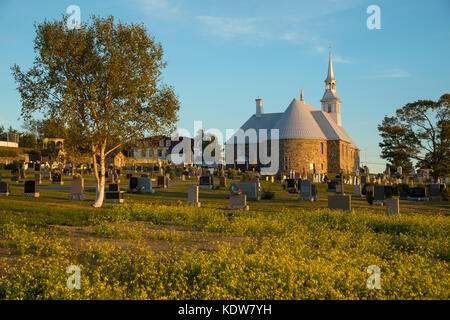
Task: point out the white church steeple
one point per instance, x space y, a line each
330 101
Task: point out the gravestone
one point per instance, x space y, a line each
4 189
144 185
340 202
363 180
193 196
37 178
114 195
392 207
238 202
434 190
113 187
22 173
77 190
133 184
417 194
163 182
403 195
338 188
332 185
206 182
223 182
378 195
57 179
306 191
47 175
30 189
357 190
250 189
291 185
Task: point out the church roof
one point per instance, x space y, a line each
299 121
330 70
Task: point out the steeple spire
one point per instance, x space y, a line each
330 101
330 68
302 97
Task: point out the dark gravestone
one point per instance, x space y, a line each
292 185
378 196
434 190
417 194
30 186
206 182
57 179
133 184
306 191
30 189
403 195
163 182
332 185
113 187
114 197
4 189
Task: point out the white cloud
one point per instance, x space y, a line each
230 27
391 73
339 59
162 8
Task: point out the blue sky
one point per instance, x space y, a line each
223 54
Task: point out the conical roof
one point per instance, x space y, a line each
298 122
330 70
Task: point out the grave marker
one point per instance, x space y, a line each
30 189
4 189
163 182
193 196
206 182
392 207
77 190
238 202
357 190
340 202
378 196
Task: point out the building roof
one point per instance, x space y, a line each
330 70
299 121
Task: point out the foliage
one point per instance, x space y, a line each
231 173
420 131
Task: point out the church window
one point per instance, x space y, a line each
321 148
329 107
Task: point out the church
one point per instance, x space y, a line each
310 140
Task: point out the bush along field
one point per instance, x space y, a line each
165 250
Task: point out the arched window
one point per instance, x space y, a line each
321 148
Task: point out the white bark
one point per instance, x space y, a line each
100 179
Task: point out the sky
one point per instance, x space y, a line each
221 55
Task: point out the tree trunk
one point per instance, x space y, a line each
100 179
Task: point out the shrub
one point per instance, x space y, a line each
369 197
247 176
267 194
231 173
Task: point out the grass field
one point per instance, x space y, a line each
154 247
